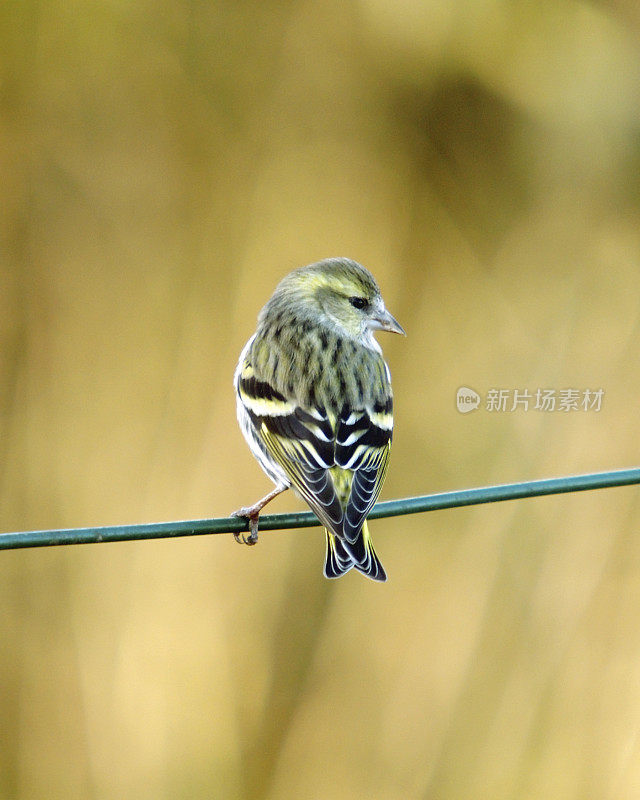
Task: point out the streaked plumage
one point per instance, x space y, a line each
314 403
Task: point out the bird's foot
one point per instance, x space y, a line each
253 515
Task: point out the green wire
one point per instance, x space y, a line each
305 519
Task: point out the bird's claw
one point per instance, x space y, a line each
253 518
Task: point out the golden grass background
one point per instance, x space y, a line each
162 165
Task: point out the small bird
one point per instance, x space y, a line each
314 403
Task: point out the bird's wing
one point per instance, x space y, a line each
337 464
363 444
301 442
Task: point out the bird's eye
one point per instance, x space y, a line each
358 302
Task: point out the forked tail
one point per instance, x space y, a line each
342 556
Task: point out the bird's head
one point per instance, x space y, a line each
342 295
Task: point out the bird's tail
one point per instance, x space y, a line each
343 556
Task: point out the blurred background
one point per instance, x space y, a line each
162 166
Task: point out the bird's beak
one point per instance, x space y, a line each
384 321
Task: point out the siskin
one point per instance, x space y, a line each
315 405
